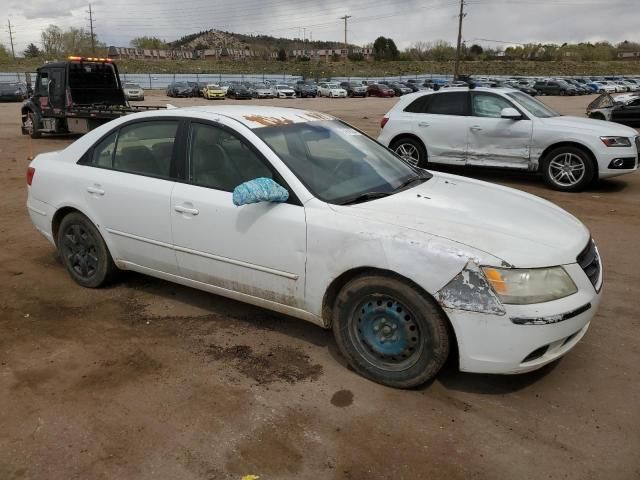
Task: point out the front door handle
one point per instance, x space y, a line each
95 190
423 124
476 128
189 210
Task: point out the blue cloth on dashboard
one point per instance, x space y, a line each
259 190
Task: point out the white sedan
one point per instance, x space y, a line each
298 212
283 91
503 127
331 90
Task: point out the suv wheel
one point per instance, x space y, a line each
390 332
411 150
568 169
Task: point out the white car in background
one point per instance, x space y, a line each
133 91
604 87
283 91
331 90
502 127
298 212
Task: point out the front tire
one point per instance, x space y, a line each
390 332
568 169
83 251
411 150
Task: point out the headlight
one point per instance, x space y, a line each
525 286
616 141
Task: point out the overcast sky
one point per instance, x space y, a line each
406 21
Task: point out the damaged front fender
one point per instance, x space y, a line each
469 290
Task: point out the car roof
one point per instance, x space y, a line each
252 116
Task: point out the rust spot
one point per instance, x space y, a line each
268 121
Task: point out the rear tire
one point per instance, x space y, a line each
83 251
412 150
568 169
32 125
390 332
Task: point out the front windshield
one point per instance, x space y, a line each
337 163
333 85
534 106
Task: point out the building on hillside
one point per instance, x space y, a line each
629 55
125 53
327 54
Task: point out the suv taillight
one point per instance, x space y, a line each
30 173
384 121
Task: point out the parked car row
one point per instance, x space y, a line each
13 92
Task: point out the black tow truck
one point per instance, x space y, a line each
75 96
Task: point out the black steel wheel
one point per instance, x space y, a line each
390 332
83 251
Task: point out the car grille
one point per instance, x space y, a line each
589 261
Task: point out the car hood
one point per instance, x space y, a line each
520 229
589 125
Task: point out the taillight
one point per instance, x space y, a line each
384 121
30 173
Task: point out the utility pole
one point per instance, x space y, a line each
456 68
345 18
11 39
93 38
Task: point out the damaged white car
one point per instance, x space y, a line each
500 127
298 212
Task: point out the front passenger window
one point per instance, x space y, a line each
219 159
485 105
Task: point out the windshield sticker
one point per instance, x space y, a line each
266 121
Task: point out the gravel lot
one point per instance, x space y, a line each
150 380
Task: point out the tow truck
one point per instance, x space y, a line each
75 96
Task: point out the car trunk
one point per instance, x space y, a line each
94 84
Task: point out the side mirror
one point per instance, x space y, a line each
510 113
259 190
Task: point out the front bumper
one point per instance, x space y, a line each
606 156
526 337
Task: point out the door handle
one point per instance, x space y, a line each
476 128
95 190
189 210
423 124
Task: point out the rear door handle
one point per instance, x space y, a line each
95 190
189 210
476 128
423 124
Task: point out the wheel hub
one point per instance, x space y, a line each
387 332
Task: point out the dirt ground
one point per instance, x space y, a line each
150 380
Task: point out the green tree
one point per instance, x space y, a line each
151 43
385 49
476 50
282 55
32 51
4 53
74 41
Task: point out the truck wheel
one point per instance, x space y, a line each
568 169
31 125
390 332
83 251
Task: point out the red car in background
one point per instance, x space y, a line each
379 90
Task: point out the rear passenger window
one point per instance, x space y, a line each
103 152
417 106
454 103
146 148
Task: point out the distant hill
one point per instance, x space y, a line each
212 39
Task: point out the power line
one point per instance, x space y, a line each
459 44
11 39
345 18
93 37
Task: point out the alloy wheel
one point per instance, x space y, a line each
567 169
409 153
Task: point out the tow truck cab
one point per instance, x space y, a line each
74 96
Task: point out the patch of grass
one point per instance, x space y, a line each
324 69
